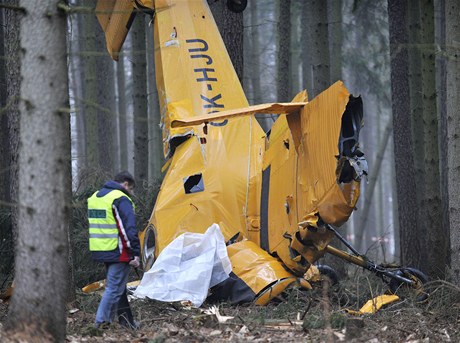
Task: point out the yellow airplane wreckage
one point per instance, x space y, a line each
277 197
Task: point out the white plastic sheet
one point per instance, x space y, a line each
187 268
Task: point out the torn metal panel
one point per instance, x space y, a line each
194 73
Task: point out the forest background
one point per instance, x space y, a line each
402 57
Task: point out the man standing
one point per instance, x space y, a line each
113 240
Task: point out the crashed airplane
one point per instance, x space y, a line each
277 197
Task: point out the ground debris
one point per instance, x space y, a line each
297 316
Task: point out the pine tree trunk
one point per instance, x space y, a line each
122 109
441 75
38 303
335 39
410 247
89 76
105 105
295 47
317 31
284 49
306 44
141 152
254 46
453 120
12 113
156 156
435 245
4 133
230 25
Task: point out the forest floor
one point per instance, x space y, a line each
318 315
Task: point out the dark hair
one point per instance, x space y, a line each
124 176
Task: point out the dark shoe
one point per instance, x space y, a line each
102 326
133 325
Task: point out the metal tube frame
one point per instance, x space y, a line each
362 261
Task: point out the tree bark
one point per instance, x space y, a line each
141 153
410 247
306 48
156 156
453 140
105 104
122 109
38 303
4 133
435 245
335 39
12 67
284 49
317 31
441 76
230 25
295 57
254 72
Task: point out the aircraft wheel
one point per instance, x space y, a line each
404 290
329 272
149 246
237 6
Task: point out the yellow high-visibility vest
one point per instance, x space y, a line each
103 230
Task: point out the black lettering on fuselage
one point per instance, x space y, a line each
211 103
207 75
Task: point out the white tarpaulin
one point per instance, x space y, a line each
187 268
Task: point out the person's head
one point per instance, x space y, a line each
125 179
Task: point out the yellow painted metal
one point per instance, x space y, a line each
375 304
257 268
193 70
270 108
358 260
94 286
99 285
114 17
303 182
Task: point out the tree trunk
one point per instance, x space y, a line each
38 304
317 31
284 49
12 112
122 109
335 39
415 84
141 152
453 120
441 75
410 247
156 156
89 77
230 25
306 44
435 245
76 76
254 46
105 104
4 133
295 57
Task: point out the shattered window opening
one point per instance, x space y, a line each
193 184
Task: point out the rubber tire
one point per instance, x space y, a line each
235 7
329 272
409 272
